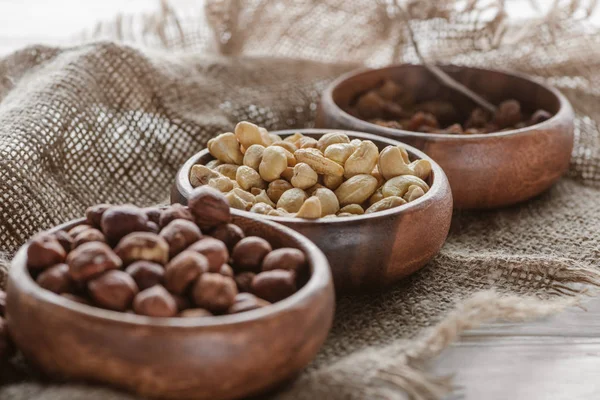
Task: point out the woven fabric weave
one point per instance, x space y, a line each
112 122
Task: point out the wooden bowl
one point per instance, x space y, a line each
221 357
371 250
484 170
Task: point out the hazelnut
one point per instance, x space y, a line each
185 268
226 270
93 214
114 290
44 250
246 302
195 313
90 260
65 240
249 253
508 114
173 212
155 302
179 234
230 234
286 258
56 279
214 250
75 298
182 302
274 285
153 214
244 281
146 274
78 229
214 292
119 221
89 235
143 246
539 116
209 207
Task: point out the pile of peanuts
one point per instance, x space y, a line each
303 177
178 261
393 106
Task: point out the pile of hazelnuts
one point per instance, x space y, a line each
186 261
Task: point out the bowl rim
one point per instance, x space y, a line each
440 181
320 278
565 109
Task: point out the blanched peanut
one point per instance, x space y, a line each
273 163
413 193
280 212
212 164
289 146
339 152
248 134
222 184
311 209
355 143
228 170
377 175
239 200
329 201
331 138
398 186
276 189
294 138
226 148
291 200
385 204
291 158
304 176
352 209
311 190
362 160
378 195
266 137
319 162
262 197
261 208
356 189
274 137
201 174
253 156
391 163
248 178
421 168
332 182
306 143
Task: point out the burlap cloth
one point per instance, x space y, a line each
107 122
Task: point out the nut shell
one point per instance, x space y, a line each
184 269
44 250
155 302
249 253
214 292
209 207
230 234
179 234
214 250
274 285
285 258
56 279
174 212
119 221
146 274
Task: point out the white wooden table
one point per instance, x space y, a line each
555 359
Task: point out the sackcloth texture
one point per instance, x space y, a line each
111 121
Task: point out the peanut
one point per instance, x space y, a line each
253 156
248 178
226 148
248 134
329 201
311 209
304 176
386 204
273 163
277 188
261 208
228 170
339 152
356 189
289 146
318 162
332 182
201 175
306 143
291 200
362 160
262 197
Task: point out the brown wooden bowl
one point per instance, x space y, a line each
220 357
371 250
484 170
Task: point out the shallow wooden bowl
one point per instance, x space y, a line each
221 357
484 170
370 250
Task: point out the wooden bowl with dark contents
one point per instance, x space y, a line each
371 250
485 170
215 357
